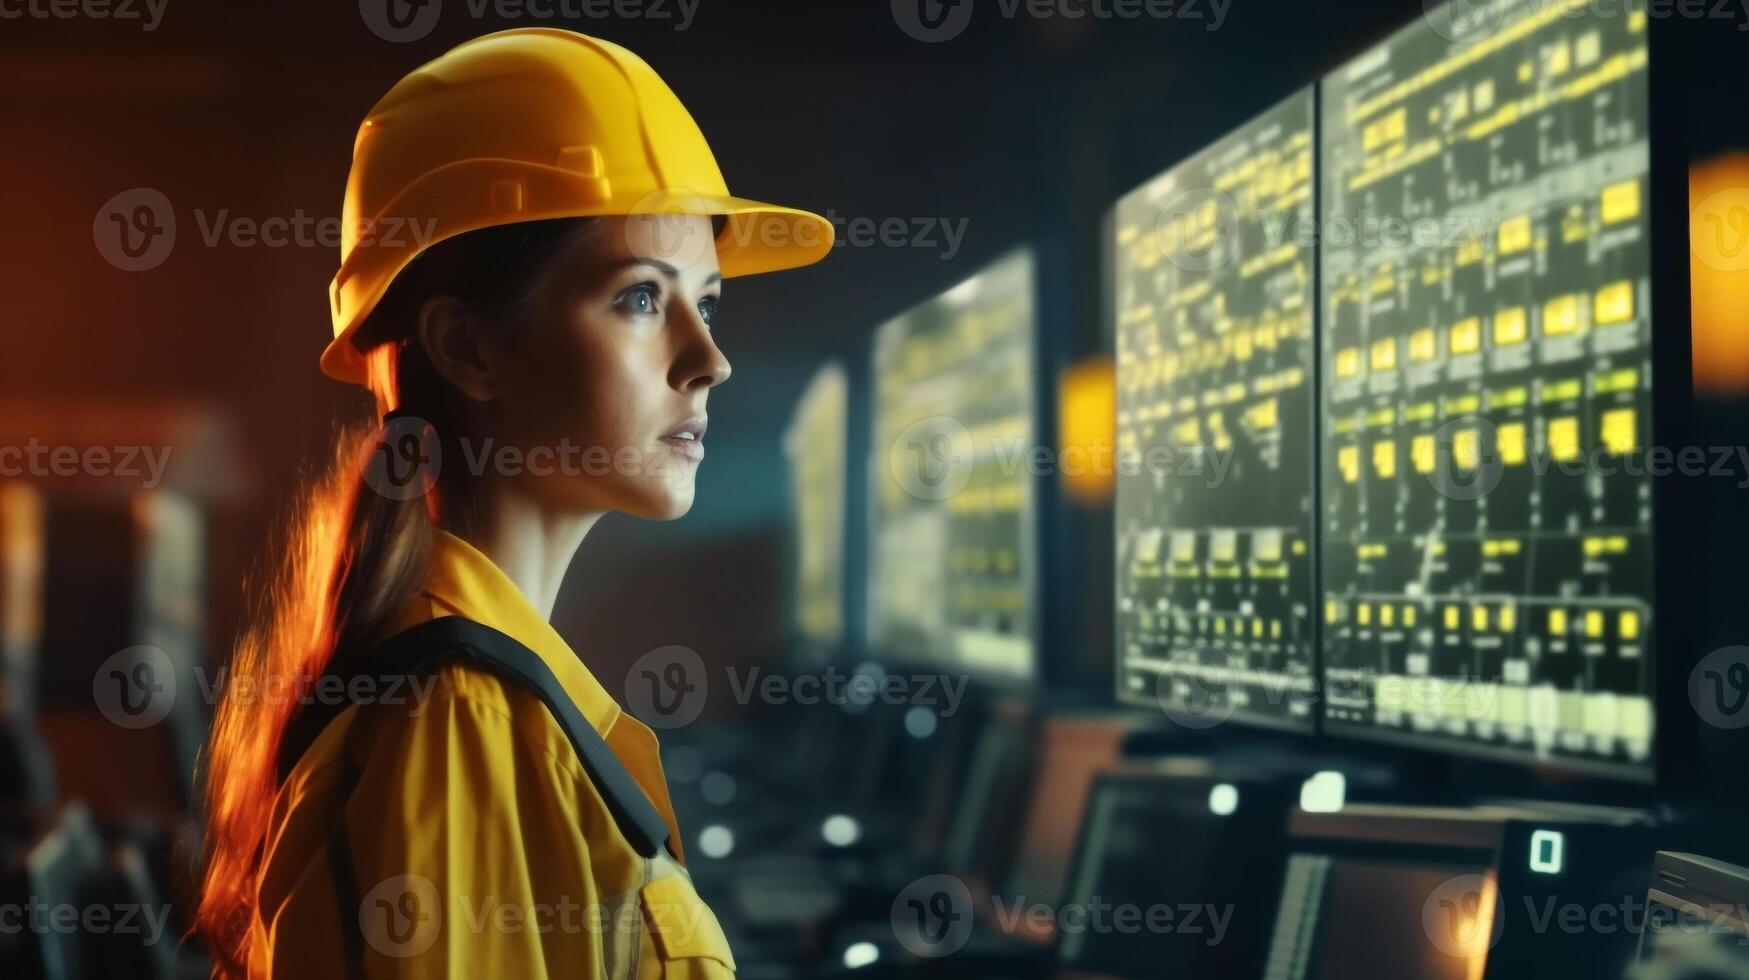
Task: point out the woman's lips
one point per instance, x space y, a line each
685 446
686 439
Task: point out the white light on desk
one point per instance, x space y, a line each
1223 799
840 830
716 841
1324 792
858 955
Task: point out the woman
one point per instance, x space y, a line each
536 236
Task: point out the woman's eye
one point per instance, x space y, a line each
639 300
707 310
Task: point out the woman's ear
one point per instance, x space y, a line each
454 338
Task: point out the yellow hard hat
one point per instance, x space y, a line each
523 125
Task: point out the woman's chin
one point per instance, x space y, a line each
665 503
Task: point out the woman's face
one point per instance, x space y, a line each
605 395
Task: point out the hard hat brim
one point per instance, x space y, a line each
757 237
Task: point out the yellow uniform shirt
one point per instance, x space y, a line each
473 844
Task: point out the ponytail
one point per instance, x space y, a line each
348 556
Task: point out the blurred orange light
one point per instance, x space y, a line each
1718 201
1087 430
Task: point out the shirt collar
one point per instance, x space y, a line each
464 582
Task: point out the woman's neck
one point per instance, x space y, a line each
531 545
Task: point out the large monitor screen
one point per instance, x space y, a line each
951 531
1487 531
1212 290
815 445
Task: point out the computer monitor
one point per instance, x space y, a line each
1175 874
1697 911
1071 751
1487 288
815 448
951 574
1418 893
975 845
1212 268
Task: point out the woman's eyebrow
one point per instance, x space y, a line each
660 266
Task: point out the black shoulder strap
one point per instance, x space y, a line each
422 649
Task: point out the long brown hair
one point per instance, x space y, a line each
347 557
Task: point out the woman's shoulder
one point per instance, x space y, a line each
463 712
469 713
